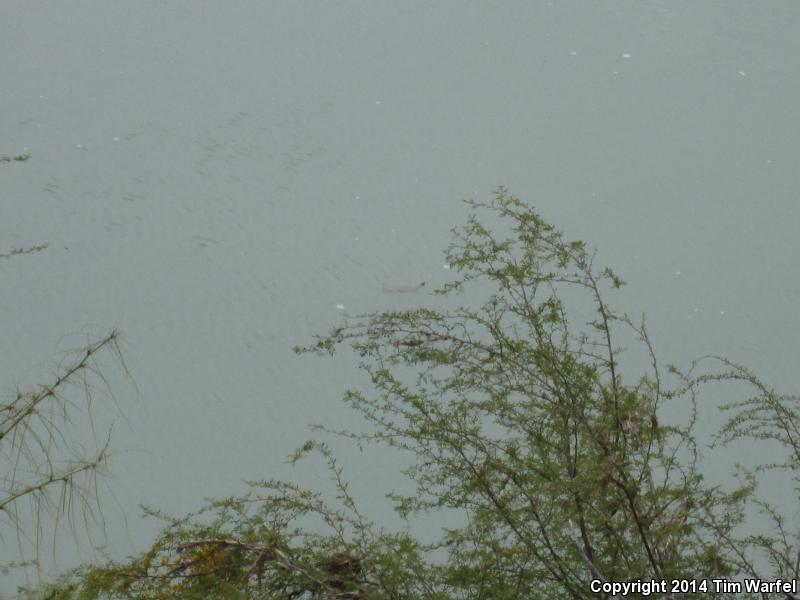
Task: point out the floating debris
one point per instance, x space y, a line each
17 158
402 289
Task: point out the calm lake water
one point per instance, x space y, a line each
220 181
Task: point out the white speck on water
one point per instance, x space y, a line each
743 73
677 273
722 312
358 197
769 161
573 53
340 306
356 238
116 139
80 146
696 310
615 72
626 55
377 102
446 266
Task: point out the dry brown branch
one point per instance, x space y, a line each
273 553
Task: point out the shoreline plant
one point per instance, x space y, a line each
517 418
52 459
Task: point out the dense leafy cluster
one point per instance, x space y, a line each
520 421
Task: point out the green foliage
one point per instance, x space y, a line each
518 419
279 541
46 479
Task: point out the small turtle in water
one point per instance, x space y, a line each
402 289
